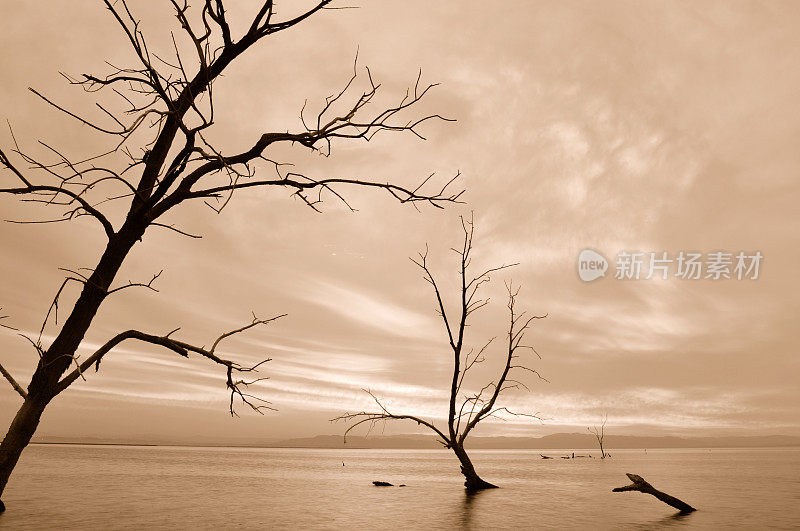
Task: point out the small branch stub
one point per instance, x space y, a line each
17 387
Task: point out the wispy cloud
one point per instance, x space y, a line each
369 309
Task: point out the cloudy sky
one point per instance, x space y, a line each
615 126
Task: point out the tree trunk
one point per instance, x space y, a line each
58 357
472 481
19 435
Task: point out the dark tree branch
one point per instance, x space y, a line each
236 387
400 193
363 417
18 388
148 285
640 485
54 192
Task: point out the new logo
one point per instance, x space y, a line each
591 265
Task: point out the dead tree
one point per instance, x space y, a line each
160 157
640 485
481 404
599 434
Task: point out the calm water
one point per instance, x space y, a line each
104 487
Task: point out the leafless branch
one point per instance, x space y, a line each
2 324
18 388
148 284
356 419
237 387
52 193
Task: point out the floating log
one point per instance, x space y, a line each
382 484
640 485
545 456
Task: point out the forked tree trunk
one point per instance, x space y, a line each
472 481
19 435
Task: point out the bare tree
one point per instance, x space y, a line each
599 433
160 157
468 408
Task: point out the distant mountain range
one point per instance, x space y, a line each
558 441
563 441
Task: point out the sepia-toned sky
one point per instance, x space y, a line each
615 126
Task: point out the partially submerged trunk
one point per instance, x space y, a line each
640 485
472 481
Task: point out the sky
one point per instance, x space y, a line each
613 126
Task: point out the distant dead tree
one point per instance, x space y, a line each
161 157
599 433
474 406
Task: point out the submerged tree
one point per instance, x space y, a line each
466 408
160 158
599 434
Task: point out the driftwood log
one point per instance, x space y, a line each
640 485
382 484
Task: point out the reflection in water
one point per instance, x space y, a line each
468 507
677 519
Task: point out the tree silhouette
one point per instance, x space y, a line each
599 434
161 158
467 408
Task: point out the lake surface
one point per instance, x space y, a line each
118 487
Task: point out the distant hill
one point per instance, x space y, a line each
557 441
562 441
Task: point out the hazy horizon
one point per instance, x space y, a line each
555 441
